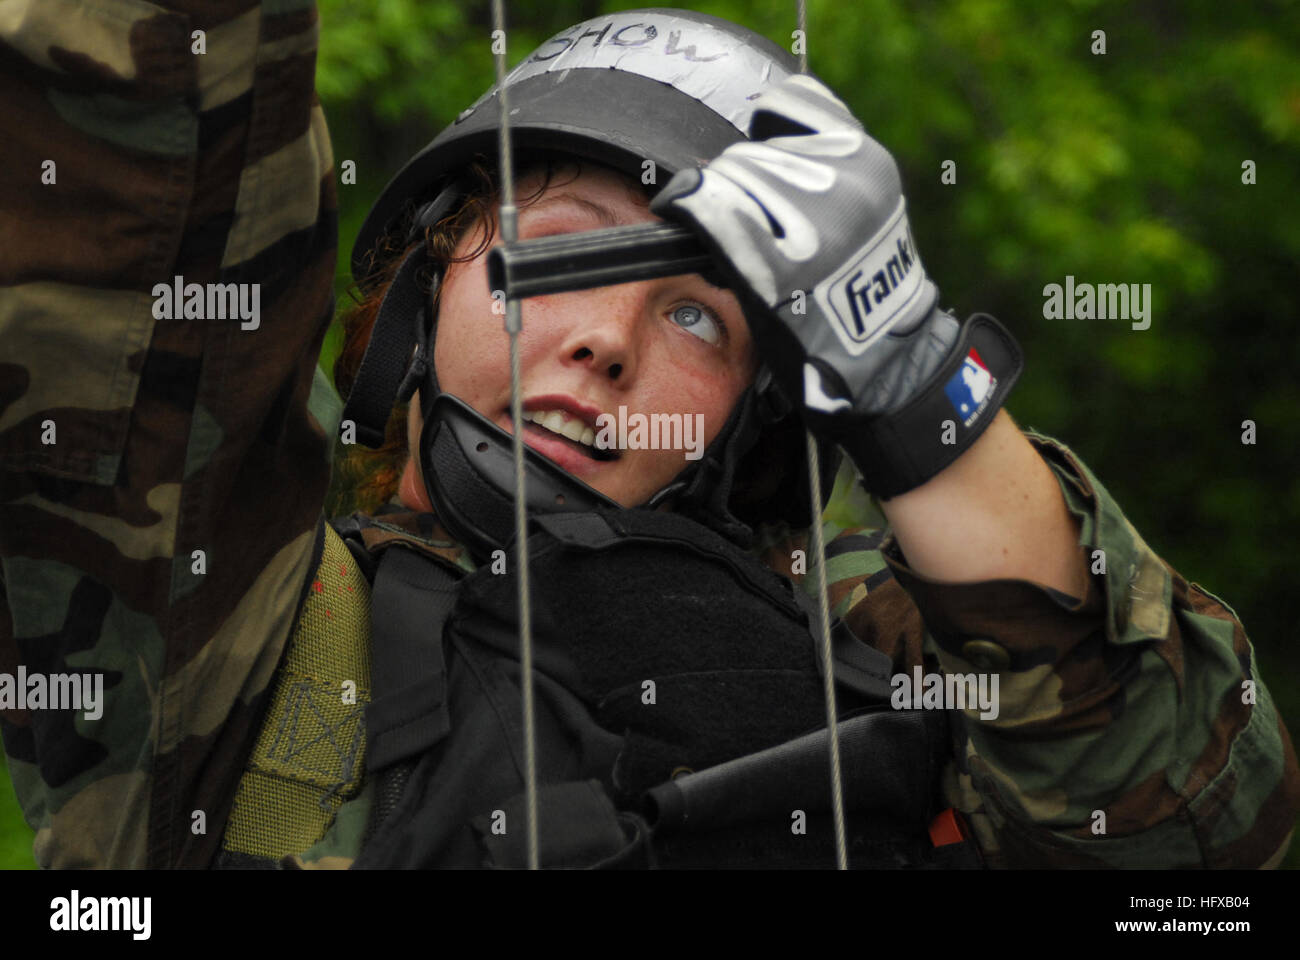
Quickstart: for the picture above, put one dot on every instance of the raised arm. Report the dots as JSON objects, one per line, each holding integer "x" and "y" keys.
{"x": 167, "y": 243}
{"x": 1129, "y": 725}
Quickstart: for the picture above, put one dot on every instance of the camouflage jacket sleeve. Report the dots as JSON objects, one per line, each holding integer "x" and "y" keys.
{"x": 162, "y": 476}
{"x": 1133, "y": 727}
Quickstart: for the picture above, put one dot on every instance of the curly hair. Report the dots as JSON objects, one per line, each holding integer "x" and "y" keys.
{"x": 364, "y": 479}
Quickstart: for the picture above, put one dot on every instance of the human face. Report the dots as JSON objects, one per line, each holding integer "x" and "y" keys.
{"x": 675, "y": 345}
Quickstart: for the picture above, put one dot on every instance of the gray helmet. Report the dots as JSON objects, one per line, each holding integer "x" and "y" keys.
{"x": 672, "y": 87}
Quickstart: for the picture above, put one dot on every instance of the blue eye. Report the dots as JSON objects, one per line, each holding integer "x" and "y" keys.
{"x": 692, "y": 318}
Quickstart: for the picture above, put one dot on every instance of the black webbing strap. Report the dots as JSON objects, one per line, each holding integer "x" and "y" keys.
{"x": 858, "y": 666}
{"x": 410, "y": 601}
{"x": 388, "y": 355}
{"x": 399, "y": 326}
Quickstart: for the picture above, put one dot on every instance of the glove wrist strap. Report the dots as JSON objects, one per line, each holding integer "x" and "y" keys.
{"x": 902, "y": 450}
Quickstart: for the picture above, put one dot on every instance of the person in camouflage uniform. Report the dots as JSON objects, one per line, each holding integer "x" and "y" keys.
{"x": 162, "y": 479}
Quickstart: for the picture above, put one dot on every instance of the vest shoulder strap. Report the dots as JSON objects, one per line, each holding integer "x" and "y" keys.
{"x": 312, "y": 749}
{"x": 309, "y": 755}
{"x": 409, "y": 713}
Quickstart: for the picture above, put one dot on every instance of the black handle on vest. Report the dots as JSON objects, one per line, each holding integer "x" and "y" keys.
{"x": 888, "y": 759}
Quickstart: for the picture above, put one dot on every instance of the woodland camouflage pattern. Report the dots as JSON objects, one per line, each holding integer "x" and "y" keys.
{"x": 172, "y": 436}
{"x": 182, "y": 435}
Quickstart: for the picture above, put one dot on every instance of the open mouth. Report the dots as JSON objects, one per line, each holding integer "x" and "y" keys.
{"x": 569, "y": 430}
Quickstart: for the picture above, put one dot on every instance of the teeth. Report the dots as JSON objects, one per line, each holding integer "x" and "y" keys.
{"x": 559, "y": 422}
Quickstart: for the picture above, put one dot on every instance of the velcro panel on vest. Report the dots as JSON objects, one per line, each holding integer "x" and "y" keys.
{"x": 858, "y": 665}
{"x": 309, "y": 754}
{"x": 685, "y": 645}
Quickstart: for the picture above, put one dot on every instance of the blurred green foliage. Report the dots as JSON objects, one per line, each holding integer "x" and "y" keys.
{"x": 1117, "y": 168}
{"x": 15, "y": 836}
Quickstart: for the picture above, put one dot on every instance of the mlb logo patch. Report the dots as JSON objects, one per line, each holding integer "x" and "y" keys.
{"x": 970, "y": 388}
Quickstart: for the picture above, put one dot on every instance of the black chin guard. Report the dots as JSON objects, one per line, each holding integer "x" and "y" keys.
{"x": 471, "y": 463}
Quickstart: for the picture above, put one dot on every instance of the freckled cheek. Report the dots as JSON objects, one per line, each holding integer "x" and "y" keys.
{"x": 471, "y": 350}
{"x": 714, "y": 417}
{"x": 707, "y": 389}
{"x": 540, "y": 329}
{"x": 692, "y": 395}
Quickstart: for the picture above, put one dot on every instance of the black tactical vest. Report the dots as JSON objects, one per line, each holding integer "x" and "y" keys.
{"x": 679, "y": 712}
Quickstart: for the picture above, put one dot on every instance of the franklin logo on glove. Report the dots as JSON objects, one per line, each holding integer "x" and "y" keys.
{"x": 886, "y": 273}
